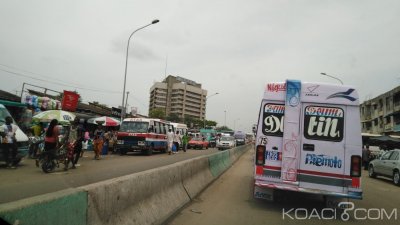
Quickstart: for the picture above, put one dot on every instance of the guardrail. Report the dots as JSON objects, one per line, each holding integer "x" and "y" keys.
{"x": 148, "y": 197}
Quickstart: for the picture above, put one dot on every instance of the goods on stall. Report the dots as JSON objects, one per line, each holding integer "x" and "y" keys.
{"x": 42, "y": 103}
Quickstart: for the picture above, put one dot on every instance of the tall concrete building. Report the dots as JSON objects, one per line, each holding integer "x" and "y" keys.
{"x": 381, "y": 115}
{"x": 179, "y": 96}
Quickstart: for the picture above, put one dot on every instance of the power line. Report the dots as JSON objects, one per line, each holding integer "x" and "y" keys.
{"x": 57, "y": 83}
{"x": 25, "y": 71}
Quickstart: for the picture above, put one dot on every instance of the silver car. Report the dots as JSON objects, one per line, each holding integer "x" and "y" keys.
{"x": 226, "y": 142}
{"x": 387, "y": 165}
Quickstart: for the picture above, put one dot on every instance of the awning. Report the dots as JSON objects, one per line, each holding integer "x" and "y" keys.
{"x": 370, "y": 135}
{"x": 392, "y": 114}
{"x": 386, "y": 141}
{"x": 10, "y": 103}
{"x": 85, "y": 116}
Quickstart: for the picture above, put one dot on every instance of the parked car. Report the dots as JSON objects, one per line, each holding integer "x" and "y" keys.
{"x": 197, "y": 142}
{"x": 387, "y": 165}
{"x": 226, "y": 142}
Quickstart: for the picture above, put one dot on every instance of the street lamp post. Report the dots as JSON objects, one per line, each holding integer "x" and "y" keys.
{"x": 126, "y": 66}
{"x": 126, "y": 101}
{"x": 204, "y": 124}
{"x": 332, "y": 77}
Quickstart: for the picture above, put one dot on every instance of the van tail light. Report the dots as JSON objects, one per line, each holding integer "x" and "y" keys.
{"x": 355, "y": 170}
{"x": 260, "y": 155}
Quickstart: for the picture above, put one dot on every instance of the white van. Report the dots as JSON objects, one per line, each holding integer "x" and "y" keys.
{"x": 22, "y": 139}
{"x": 308, "y": 140}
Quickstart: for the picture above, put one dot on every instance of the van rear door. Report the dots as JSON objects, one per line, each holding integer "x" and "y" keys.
{"x": 322, "y": 161}
{"x": 271, "y": 121}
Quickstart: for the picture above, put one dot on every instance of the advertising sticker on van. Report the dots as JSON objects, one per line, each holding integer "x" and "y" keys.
{"x": 323, "y": 123}
{"x": 273, "y": 119}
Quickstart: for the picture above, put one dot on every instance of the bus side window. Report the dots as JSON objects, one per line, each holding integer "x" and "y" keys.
{"x": 151, "y": 129}
{"x": 162, "y": 128}
{"x": 157, "y": 127}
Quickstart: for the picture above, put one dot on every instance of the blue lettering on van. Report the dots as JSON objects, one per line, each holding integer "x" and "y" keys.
{"x": 323, "y": 160}
{"x": 273, "y": 155}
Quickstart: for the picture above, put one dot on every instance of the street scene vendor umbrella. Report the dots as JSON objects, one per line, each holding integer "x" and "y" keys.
{"x": 63, "y": 117}
{"x": 105, "y": 121}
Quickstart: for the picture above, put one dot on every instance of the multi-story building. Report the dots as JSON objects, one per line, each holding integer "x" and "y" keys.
{"x": 381, "y": 115}
{"x": 179, "y": 96}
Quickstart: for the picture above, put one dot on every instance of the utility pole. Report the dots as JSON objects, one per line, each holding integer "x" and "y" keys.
{"x": 126, "y": 102}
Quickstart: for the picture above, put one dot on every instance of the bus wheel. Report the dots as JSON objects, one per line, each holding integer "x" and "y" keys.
{"x": 150, "y": 150}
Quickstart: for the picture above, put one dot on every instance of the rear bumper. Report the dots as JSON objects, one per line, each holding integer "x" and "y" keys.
{"x": 240, "y": 143}
{"x": 224, "y": 146}
{"x": 194, "y": 146}
{"x": 131, "y": 148}
{"x": 354, "y": 194}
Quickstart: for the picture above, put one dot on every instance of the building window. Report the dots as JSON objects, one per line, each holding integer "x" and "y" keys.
{"x": 388, "y": 105}
{"x": 388, "y": 120}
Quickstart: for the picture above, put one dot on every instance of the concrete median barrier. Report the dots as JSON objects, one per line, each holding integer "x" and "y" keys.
{"x": 63, "y": 207}
{"x": 219, "y": 162}
{"x": 196, "y": 175}
{"x": 235, "y": 153}
{"x": 148, "y": 197}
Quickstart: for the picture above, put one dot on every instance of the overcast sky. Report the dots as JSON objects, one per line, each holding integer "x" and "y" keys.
{"x": 233, "y": 47}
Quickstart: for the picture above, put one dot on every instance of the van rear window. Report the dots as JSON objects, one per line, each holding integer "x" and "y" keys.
{"x": 273, "y": 116}
{"x": 323, "y": 123}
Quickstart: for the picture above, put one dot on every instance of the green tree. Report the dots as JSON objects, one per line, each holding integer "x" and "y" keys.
{"x": 222, "y": 128}
{"x": 173, "y": 117}
{"x": 193, "y": 122}
{"x": 211, "y": 123}
{"x": 157, "y": 113}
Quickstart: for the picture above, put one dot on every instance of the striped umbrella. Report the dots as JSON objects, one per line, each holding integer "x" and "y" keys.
{"x": 63, "y": 117}
{"x": 105, "y": 121}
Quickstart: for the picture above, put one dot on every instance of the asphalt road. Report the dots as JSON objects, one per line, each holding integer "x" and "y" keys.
{"x": 229, "y": 200}
{"x": 28, "y": 180}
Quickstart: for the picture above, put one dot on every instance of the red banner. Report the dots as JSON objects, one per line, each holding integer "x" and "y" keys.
{"x": 70, "y": 101}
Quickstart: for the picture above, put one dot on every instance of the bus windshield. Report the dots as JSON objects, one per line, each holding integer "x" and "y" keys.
{"x": 134, "y": 127}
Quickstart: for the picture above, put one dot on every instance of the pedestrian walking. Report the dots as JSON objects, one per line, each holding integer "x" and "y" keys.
{"x": 366, "y": 156}
{"x": 38, "y": 136}
{"x": 177, "y": 140}
{"x": 75, "y": 138}
{"x": 185, "y": 141}
{"x": 51, "y": 139}
{"x": 85, "y": 145}
{"x": 106, "y": 143}
{"x": 170, "y": 140}
{"x": 98, "y": 141}
{"x": 9, "y": 142}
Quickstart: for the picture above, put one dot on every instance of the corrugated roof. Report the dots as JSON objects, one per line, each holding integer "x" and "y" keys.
{"x": 4, "y": 95}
